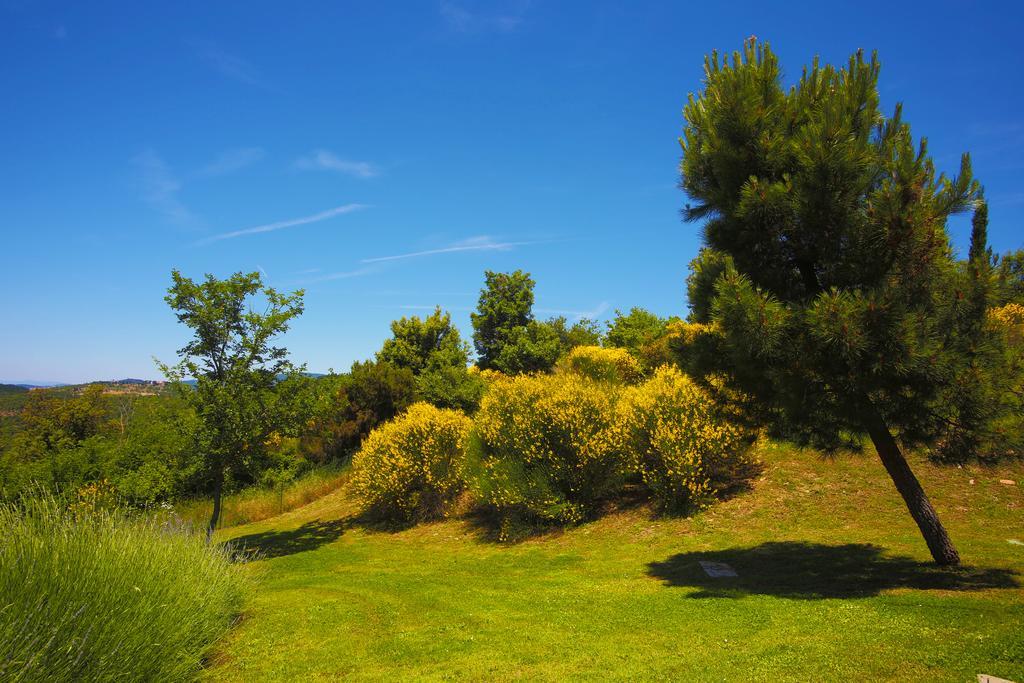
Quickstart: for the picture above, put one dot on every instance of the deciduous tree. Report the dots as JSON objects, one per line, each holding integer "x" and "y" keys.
{"x": 246, "y": 389}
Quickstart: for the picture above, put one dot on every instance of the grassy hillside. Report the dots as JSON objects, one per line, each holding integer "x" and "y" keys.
{"x": 833, "y": 584}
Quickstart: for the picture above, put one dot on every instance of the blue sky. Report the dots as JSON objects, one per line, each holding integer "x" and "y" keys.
{"x": 383, "y": 155}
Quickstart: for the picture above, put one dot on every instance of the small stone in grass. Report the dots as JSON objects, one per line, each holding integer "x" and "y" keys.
{"x": 1014, "y": 541}
{"x": 1008, "y": 482}
{"x": 717, "y": 570}
{"x": 985, "y": 678}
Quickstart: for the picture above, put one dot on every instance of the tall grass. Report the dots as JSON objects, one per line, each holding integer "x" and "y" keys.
{"x": 100, "y": 596}
{"x": 255, "y": 504}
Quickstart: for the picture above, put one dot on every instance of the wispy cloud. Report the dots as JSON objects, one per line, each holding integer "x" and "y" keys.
{"x": 480, "y": 243}
{"x": 995, "y": 128}
{"x": 1007, "y": 199}
{"x": 342, "y": 275}
{"x": 461, "y": 19}
{"x": 323, "y": 160}
{"x": 230, "y": 65}
{"x": 577, "y": 315}
{"x": 232, "y": 160}
{"x": 280, "y": 225}
{"x": 160, "y": 187}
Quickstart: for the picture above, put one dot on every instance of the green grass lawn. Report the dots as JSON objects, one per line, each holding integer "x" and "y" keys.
{"x": 834, "y": 584}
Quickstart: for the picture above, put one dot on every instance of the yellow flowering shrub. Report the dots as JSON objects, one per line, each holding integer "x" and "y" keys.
{"x": 486, "y": 374}
{"x": 544, "y": 446}
{"x": 604, "y": 364}
{"x": 673, "y": 434}
{"x": 414, "y": 465}
{"x": 1009, "y": 318}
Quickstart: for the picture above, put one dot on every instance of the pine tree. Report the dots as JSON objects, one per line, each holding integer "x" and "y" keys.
{"x": 834, "y": 279}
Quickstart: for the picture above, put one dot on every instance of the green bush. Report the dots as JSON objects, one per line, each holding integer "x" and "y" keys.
{"x": 95, "y": 595}
{"x": 451, "y": 387}
{"x": 543, "y": 447}
{"x": 413, "y": 466}
{"x": 685, "y": 449}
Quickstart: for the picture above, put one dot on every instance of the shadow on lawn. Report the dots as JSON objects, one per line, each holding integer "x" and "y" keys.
{"x": 813, "y": 571}
{"x": 267, "y": 544}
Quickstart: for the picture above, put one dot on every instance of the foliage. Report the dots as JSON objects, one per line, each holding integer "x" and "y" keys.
{"x": 613, "y": 365}
{"x": 837, "y": 307}
{"x": 435, "y": 353}
{"x": 374, "y": 393}
{"x": 1010, "y": 275}
{"x": 413, "y": 466}
{"x": 59, "y": 423}
{"x": 978, "y": 406}
{"x": 544, "y": 447}
{"x": 90, "y": 594}
{"x": 429, "y": 344}
{"x": 534, "y": 347}
{"x": 508, "y": 338}
{"x": 451, "y": 387}
{"x": 142, "y": 445}
{"x": 505, "y": 305}
{"x": 246, "y": 389}
{"x": 643, "y": 334}
{"x": 583, "y": 332}
{"x": 986, "y": 404}
{"x": 681, "y": 443}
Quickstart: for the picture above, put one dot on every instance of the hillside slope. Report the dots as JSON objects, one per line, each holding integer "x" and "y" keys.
{"x": 833, "y": 584}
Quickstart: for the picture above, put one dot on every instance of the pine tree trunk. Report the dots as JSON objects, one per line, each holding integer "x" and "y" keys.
{"x": 215, "y": 517}
{"x": 906, "y": 483}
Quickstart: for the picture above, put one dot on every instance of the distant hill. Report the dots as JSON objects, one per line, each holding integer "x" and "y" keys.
{"x": 28, "y": 384}
{"x": 12, "y": 389}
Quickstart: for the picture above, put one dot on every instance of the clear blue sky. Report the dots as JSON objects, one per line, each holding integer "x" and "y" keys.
{"x": 386, "y": 154}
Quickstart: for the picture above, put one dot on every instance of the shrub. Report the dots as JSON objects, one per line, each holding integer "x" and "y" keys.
{"x": 680, "y": 443}
{"x": 372, "y": 393}
{"x": 413, "y": 466}
{"x": 614, "y": 365}
{"x": 543, "y": 447}
{"x": 451, "y": 387}
{"x": 88, "y": 594}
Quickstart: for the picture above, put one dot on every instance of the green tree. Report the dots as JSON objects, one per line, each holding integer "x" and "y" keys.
{"x": 1011, "y": 277}
{"x": 583, "y": 332}
{"x": 633, "y": 330}
{"x": 375, "y": 392}
{"x": 246, "y": 390}
{"x": 428, "y": 343}
{"x": 835, "y": 307}
{"x": 505, "y": 305}
{"x": 434, "y": 352}
{"x": 534, "y": 347}
{"x": 643, "y": 334}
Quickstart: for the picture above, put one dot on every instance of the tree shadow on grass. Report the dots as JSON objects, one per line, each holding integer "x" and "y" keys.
{"x": 268, "y": 544}
{"x": 813, "y": 571}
